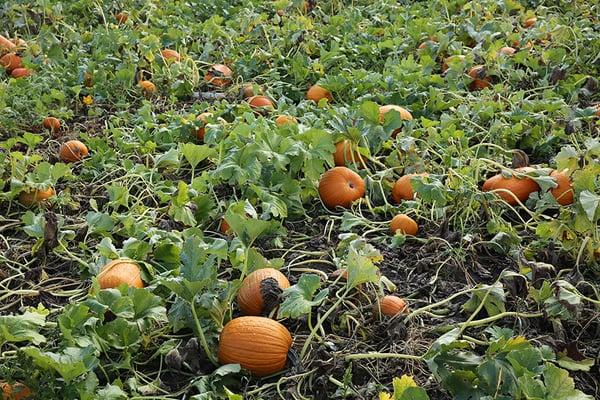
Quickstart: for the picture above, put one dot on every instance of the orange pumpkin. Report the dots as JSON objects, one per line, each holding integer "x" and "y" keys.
{"x": 260, "y": 287}
{"x": 405, "y": 224}
{"x": 507, "y": 51}
{"x": 170, "y": 55}
{"x": 480, "y": 79}
{"x": 73, "y": 151}
{"x": 148, "y": 87}
{"x": 402, "y": 189}
{"x": 597, "y": 110}
{"x": 260, "y": 345}
{"x": 224, "y": 227}
{"x": 15, "y": 391}
{"x": 563, "y": 193}
{"x": 520, "y": 187}
{"x": 405, "y": 115}
{"x": 122, "y": 17}
{"x": 21, "y": 73}
{"x": 345, "y": 154}
{"x": 118, "y": 272}
{"x": 11, "y": 61}
{"x": 204, "y": 120}
{"x": 51, "y": 123}
{"x": 248, "y": 91}
{"x": 391, "y": 306}
{"x": 448, "y": 60}
{"x": 340, "y": 186}
{"x": 219, "y": 75}
{"x": 530, "y": 22}
{"x": 35, "y": 196}
{"x": 6, "y": 45}
{"x": 261, "y": 104}
{"x": 316, "y": 93}
{"x": 285, "y": 119}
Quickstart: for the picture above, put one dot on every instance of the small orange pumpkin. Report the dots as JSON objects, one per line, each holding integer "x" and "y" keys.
{"x": 402, "y": 189}
{"x": 248, "y": 91}
{"x": 73, "y": 151}
{"x": 260, "y": 287}
{"x": 261, "y": 104}
{"x": 118, "y": 272}
{"x": 148, "y": 87}
{"x": 405, "y": 224}
{"x": 344, "y": 154}
{"x": 316, "y": 93}
{"x": 285, "y": 119}
{"x": 480, "y": 79}
{"x": 405, "y": 115}
{"x": 51, "y": 123}
{"x": 520, "y": 187}
{"x": 15, "y": 391}
{"x": 204, "y": 120}
{"x": 507, "y": 51}
{"x": 35, "y": 196}
{"x": 530, "y": 22}
{"x": 563, "y": 193}
{"x": 260, "y": 345}
{"x": 224, "y": 227}
{"x": 11, "y": 61}
{"x": 6, "y": 45}
{"x": 340, "y": 186}
{"x": 391, "y": 306}
{"x": 122, "y": 17}
{"x": 170, "y": 55}
{"x": 448, "y": 60}
{"x": 21, "y": 73}
{"x": 219, "y": 75}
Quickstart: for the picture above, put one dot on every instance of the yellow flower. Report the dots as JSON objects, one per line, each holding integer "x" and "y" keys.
{"x": 385, "y": 396}
{"x": 88, "y": 100}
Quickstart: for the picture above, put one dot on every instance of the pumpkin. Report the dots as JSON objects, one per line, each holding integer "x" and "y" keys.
{"x": 6, "y": 45}
{"x": 450, "y": 59}
{"x": 563, "y": 193}
{"x": 480, "y": 79}
{"x": 118, "y": 272}
{"x": 344, "y": 154}
{"x": 520, "y": 187}
{"x": 51, "y": 123}
{"x": 15, "y": 391}
{"x": 392, "y": 305}
{"x": 88, "y": 79}
{"x": 530, "y": 22}
{"x": 170, "y": 55}
{"x": 405, "y": 115}
{"x": 340, "y": 186}
{"x": 224, "y": 227}
{"x": 316, "y": 93}
{"x": 285, "y": 119}
{"x": 507, "y": 51}
{"x": 19, "y": 43}
{"x": 122, "y": 17}
{"x": 203, "y": 118}
{"x": 261, "y": 104}
{"x": 402, "y": 189}
{"x": 260, "y": 291}
{"x": 260, "y": 345}
{"x": 73, "y": 151}
{"x": 147, "y": 86}
{"x": 517, "y": 44}
{"x": 597, "y": 110}
{"x": 426, "y": 43}
{"x": 11, "y": 61}
{"x": 35, "y": 196}
{"x": 219, "y": 75}
{"x": 404, "y": 224}
{"x": 21, "y": 73}
{"x": 248, "y": 91}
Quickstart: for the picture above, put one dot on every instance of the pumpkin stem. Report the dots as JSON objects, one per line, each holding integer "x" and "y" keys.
{"x": 209, "y": 353}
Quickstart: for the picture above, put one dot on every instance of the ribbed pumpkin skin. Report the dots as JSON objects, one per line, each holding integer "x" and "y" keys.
{"x": 249, "y": 297}
{"x": 73, "y": 151}
{"x": 392, "y": 305}
{"x": 51, "y": 123}
{"x": 35, "y": 196}
{"x": 121, "y": 271}
{"x": 11, "y": 61}
{"x": 219, "y": 75}
{"x": 521, "y": 188}
{"x": 16, "y": 391}
{"x": 261, "y": 104}
{"x": 340, "y": 186}
{"x": 563, "y": 193}
{"x": 402, "y": 189}
{"x": 405, "y": 224}
{"x": 316, "y": 93}
{"x": 285, "y": 119}
{"x": 260, "y": 345}
{"x": 405, "y": 115}
{"x": 344, "y": 154}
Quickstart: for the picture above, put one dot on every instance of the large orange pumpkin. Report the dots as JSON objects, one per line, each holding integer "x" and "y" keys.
{"x": 118, "y": 272}
{"x": 402, "y": 189}
{"x": 261, "y": 104}
{"x": 404, "y": 224}
{"x": 404, "y": 115}
{"x": 15, "y": 391}
{"x": 11, "y": 61}
{"x": 563, "y": 193}
{"x": 259, "y": 289}
{"x": 392, "y": 305}
{"x": 21, "y": 73}
{"x": 345, "y": 154}
{"x": 316, "y": 93}
{"x": 170, "y": 55}
{"x": 520, "y": 187}
{"x": 51, "y": 123}
{"x": 260, "y": 345}
{"x": 6, "y": 45}
{"x": 219, "y": 75}
{"x": 73, "y": 151}
{"x": 35, "y": 196}
{"x": 340, "y": 186}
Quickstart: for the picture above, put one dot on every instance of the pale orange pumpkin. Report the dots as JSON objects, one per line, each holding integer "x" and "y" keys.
{"x": 344, "y": 154}
{"x": 507, "y": 51}
{"x": 260, "y": 345}
{"x": 530, "y": 22}
{"x": 405, "y": 224}
{"x": 520, "y": 187}
{"x": 340, "y": 186}
{"x": 285, "y": 119}
{"x": 260, "y": 287}
{"x": 248, "y": 91}
{"x": 563, "y": 193}
{"x": 219, "y": 75}
{"x": 6, "y": 45}
{"x": 73, "y": 151}
{"x": 121, "y": 271}
{"x": 170, "y": 55}
{"x": 391, "y": 306}
{"x": 51, "y": 123}
{"x": 316, "y": 93}
{"x": 35, "y": 196}
{"x": 402, "y": 189}
{"x": 147, "y": 87}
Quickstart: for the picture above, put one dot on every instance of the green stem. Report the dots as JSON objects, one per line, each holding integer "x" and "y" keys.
{"x": 209, "y": 353}
{"x": 496, "y": 317}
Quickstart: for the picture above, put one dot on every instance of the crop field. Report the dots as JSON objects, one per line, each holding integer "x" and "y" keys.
{"x": 289, "y": 199}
